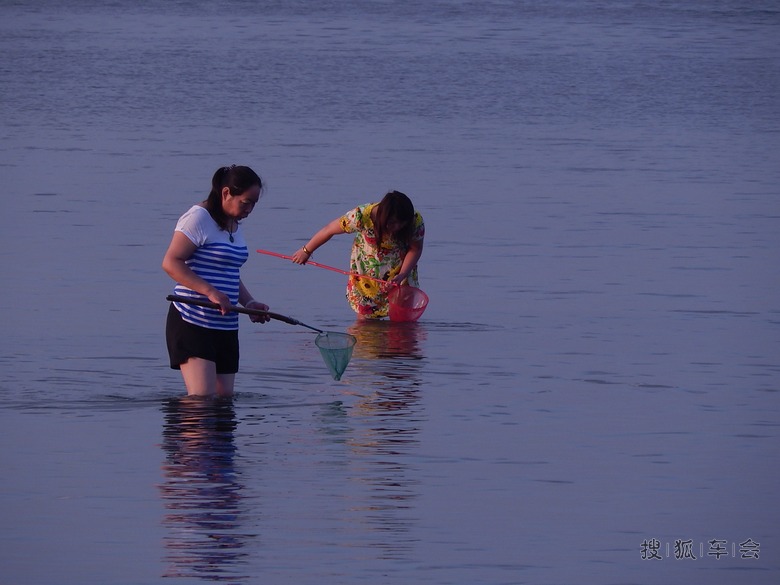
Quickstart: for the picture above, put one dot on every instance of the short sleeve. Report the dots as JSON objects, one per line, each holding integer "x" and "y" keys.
{"x": 193, "y": 225}
{"x": 357, "y": 219}
{"x": 419, "y": 227}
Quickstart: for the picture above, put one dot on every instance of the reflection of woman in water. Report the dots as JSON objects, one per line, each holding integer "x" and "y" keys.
{"x": 388, "y": 339}
{"x": 201, "y": 491}
{"x": 384, "y": 427}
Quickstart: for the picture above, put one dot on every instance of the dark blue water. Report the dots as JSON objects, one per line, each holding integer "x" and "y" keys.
{"x": 598, "y": 367}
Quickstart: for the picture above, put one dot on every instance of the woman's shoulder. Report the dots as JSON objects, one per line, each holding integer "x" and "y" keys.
{"x": 197, "y": 224}
{"x": 363, "y": 209}
{"x": 358, "y": 217}
{"x": 419, "y": 226}
{"x": 196, "y": 211}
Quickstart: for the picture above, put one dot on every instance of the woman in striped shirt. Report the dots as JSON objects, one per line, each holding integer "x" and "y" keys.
{"x": 204, "y": 258}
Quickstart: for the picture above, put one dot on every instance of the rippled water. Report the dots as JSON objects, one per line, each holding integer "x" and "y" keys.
{"x": 597, "y": 369}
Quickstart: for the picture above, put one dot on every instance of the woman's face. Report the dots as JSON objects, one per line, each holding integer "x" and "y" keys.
{"x": 240, "y": 206}
{"x": 395, "y": 225}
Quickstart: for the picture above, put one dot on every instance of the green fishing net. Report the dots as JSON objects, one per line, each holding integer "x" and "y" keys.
{"x": 336, "y": 350}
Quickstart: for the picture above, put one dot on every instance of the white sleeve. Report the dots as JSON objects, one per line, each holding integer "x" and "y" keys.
{"x": 193, "y": 225}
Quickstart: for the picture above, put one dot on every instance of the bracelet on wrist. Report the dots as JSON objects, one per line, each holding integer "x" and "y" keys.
{"x": 306, "y": 251}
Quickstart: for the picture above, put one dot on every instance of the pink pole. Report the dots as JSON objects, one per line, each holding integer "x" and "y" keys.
{"x": 325, "y": 266}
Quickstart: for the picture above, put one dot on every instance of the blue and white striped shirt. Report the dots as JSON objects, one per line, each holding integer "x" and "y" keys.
{"x": 216, "y": 260}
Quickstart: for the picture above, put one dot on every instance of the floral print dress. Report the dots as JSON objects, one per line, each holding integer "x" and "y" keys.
{"x": 367, "y": 297}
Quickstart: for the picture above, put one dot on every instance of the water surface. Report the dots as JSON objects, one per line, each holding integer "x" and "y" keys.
{"x": 598, "y": 366}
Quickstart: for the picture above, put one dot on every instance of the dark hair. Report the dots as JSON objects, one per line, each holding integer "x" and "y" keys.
{"x": 236, "y": 178}
{"x": 395, "y": 206}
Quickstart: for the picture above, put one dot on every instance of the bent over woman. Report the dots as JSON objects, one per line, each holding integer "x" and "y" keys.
{"x": 388, "y": 244}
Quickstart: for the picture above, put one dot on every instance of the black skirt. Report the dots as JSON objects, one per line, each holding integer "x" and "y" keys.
{"x": 186, "y": 340}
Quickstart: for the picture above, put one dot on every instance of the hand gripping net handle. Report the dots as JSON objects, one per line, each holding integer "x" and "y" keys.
{"x": 235, "y": 309}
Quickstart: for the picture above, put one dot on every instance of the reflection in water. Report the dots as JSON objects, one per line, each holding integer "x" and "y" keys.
{"x": 389, "y": 359}
{"x": 388, "y": 339}
{"x": 202, "y": 491}
{"x": 385, "y": 424}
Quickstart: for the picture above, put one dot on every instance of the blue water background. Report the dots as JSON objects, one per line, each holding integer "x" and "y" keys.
{"x": 599, "y": 365}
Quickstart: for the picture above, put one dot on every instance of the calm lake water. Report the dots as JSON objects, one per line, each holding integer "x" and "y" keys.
{"x": 591, "y": 397}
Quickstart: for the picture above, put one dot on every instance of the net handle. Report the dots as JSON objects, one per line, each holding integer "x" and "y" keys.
{"x": 235, "y": 309}
{"x": 326, "y": 267}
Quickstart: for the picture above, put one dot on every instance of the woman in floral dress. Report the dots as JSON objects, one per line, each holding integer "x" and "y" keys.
{"x": 388, "y": 244}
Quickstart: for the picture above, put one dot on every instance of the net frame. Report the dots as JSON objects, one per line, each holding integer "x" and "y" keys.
{"x": 336, "y": 350}
{"x": 406, "y": 303}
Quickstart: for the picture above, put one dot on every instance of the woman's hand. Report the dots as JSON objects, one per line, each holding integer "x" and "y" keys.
{"x": 301, "y": 256}
{"x": 221, "y": 299}
{"x": 260, "y": 307}
{"x": 399, "y": 278}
